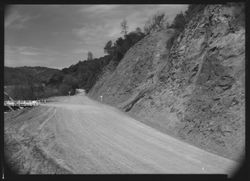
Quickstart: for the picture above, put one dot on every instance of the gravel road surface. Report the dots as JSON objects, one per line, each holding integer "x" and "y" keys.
{"x": 77, "y": 135}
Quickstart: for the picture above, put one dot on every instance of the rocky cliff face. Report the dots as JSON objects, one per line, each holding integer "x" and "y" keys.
{"x": 195, "y": 90}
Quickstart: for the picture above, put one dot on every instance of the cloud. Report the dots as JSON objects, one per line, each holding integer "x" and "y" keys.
{"x": 27, "y": 51}
{"x": 93, "y": 37}
{"x": 136, "y": 15}
{"x": 22, "y": 50}
{"x": 80, "y": 51}
{"x": 97, "y": 29}
{"x": 32, "y": 56}
{"x": 64, "y": 38}
{"x": 114, "y": 32}
{"x": 98, "y": 8}
{"x": 143, "y": 13}
{"x": 91, "y": 34}
{"x": 16, "y": 20}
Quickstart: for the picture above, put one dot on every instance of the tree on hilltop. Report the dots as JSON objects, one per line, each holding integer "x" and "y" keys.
{"x": 138, "y": 30}
{"x": 124, "y": 26}
{"x": 90, "y": 56}
{"x": 108, "y": 48}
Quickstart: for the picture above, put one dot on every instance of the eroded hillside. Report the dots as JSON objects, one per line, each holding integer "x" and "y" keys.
{"x": 195, "y": 90}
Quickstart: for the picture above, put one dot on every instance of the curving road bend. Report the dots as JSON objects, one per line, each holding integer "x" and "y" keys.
{"x": 77, "y": 135}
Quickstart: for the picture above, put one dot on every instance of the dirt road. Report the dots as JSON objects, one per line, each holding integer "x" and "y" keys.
{"x": 77, "y": 135}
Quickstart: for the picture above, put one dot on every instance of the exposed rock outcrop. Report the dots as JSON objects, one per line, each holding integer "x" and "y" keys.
{"x": 195, "y": 90}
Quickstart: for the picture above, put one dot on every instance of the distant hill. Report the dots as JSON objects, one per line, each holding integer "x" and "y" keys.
{"x": 28, "y": 82}
{"x": 42, "y": 82}
{"x": 26, "y": 75}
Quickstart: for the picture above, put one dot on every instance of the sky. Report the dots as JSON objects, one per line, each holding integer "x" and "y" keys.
{"x": 58, "y": 36}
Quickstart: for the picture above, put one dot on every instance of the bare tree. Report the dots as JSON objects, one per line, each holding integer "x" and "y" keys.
{"x": 90, "y": 55}
{"x": 124, "y": 26}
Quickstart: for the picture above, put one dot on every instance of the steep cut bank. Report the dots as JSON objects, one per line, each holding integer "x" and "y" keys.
{"x": 195, "y": 90}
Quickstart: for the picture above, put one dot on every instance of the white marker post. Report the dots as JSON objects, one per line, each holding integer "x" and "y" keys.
{"x": 101, "y": 98}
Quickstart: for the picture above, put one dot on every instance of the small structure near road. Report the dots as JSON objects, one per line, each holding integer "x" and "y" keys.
{"x": 78, "y": 91}
{"x": 12, "y": 104}
{"x": 22, "y": 103}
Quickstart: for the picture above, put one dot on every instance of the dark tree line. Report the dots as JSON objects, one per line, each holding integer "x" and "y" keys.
{"x": 81, "y": 75}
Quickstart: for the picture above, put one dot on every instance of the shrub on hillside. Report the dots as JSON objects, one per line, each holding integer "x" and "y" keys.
{"x": 179, "y": 22}
{"x": 56, "y": 78}
{"x": 64, "y": 89}
{"x": 192, "y": 10}
{"x": 122, "y": 45}
{"x": 170, "y": 42}
{"x": 50, "y": 91}
{"x": 238, "y": 13}
{"x": 108, "y": 48}
{"x": 22, "y": 92}
{"x": 71, "y": 81}
{"x": 156, "y": 23}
